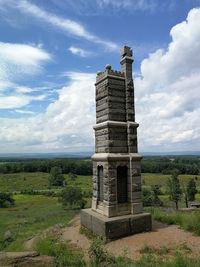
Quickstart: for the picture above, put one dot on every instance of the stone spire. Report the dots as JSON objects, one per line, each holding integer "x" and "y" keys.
{"x": 126, "y": 62}
{"x": 117, "y": 198}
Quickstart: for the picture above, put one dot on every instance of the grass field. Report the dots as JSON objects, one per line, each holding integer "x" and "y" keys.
{"x": 83, "y": 182}
{"x": 16, "y": 182}
{"x": 29, "y": 216}
{"x": 33, "y": 213}
{"x": 189, "y": 221}
{"x": 19, "y": 181}
{"x": 39, "y": 181}
{"x": 161, "y": 179}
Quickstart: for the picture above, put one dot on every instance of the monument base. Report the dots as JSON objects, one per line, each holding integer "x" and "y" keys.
{"x": 115, "y": 227}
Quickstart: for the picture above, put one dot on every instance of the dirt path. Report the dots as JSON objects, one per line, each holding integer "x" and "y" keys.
{"x": 165, "y": 236}
{"x": 71, "y": 233}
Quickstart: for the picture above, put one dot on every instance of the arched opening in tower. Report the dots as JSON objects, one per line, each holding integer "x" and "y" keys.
{"x": 122, "y": 186}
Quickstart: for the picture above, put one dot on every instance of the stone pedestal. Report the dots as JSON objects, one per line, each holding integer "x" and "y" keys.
{"x": 115, "y": 227}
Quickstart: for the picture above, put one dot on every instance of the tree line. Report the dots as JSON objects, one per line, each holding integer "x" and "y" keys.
{"x": 156, "y": 164}
{"x": 77, "y": 166}
{"x": 164, "y": 165}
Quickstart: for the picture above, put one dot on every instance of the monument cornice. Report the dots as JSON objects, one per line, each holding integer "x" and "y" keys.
{"x": 116, "y": 156}
{"x": 116, "y": 123}
{"x": 105, "y": 75}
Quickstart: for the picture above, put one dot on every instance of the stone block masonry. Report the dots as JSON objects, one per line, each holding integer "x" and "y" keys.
{"x": 117, "y": 198}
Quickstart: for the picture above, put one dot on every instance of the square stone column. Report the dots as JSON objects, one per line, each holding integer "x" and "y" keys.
{"x": 117, "y": 197}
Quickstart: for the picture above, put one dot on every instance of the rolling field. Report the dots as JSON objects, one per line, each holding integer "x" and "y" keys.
{"x": 161, "y": 179}
{"x": 16, "y": 182}
{"x": 29, "y": 216}
{"x": 34, "y": 213}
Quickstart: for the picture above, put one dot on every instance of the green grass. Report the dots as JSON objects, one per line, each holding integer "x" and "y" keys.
{"x": 178, "y": 261}
{"x": 39, "y": 181}
{"x": 67, "y": 255}
{"x": 189, "y": 221}
{"x": 33, "y": 213}
{"x": 29, "y": 216}
{"x": 64, "y": 254}
{"x": 16, "y": 182}
{"x": 161, "y": 179}
{"x": 19, "y": 181}
{"x": 83, "y": 182}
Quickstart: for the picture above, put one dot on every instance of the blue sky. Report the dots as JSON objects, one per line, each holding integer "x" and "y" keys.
{"x": 50, "y": 51}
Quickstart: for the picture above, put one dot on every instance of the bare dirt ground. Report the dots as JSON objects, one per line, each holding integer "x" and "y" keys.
{"x": 164, "y": 237}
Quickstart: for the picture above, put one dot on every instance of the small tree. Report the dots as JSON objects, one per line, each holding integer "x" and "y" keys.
{"x": 72, "y": 196}
{"x": 56, "y": 177}
{"x": 174, "y": 188}
{"x": 147, "y": 196}
{"x": 72, "y": 176}
{"x": 185, "y": 194}
{"x": 191, "y": 189}
{"x": 6, "y": 200}
{"x": 156, "y": 189}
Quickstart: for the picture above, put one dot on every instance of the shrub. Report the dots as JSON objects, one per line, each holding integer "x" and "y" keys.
{"x": 56, "y": 177}
{"x": 174, "y": 188}
{"x": 7, "y": 239}
{"x": 72, "y": 176}
{"x": 73, "y": 197}
{"x": 98, "y": 256}
{"x": 64, "y": 254}
{"x": 147, "y": 196}
{"x": 6, "y": 200}
{"x": 191, "y": 190}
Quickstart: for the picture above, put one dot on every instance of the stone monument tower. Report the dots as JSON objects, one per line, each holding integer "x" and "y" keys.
{"x": 116, "y": 203}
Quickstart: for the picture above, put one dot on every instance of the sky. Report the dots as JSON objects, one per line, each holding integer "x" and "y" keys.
{"x": 51, "y": 50}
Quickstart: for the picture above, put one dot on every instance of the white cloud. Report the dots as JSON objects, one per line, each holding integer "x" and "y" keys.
{"x": 21, "y": 111}
{"x": 9, "y": 102}
{"x": 167, "y": 104}
{"x": 66, "y": 125}
{"x": 67, "y": 25}
{"x": 168, "y": 93}
{"x": 18, "y": 59}
{"x": 16, "y": 62}
{"x": 22, "y": 54}
{"x": 18, "y": 101}
{"x": 79, "y": 51}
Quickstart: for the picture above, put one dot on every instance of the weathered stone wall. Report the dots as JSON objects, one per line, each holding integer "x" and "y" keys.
{"x": 110, "y": 205}
{"x": 114, "y": 139}
{"x": 110, "y": 99}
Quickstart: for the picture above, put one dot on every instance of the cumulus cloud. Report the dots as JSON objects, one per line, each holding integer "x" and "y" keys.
{"x": 167, "y": 103}
{"x": 168, "y": 92}
{"x": 18, "y": 61}
{"x": 66, "y": 125}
